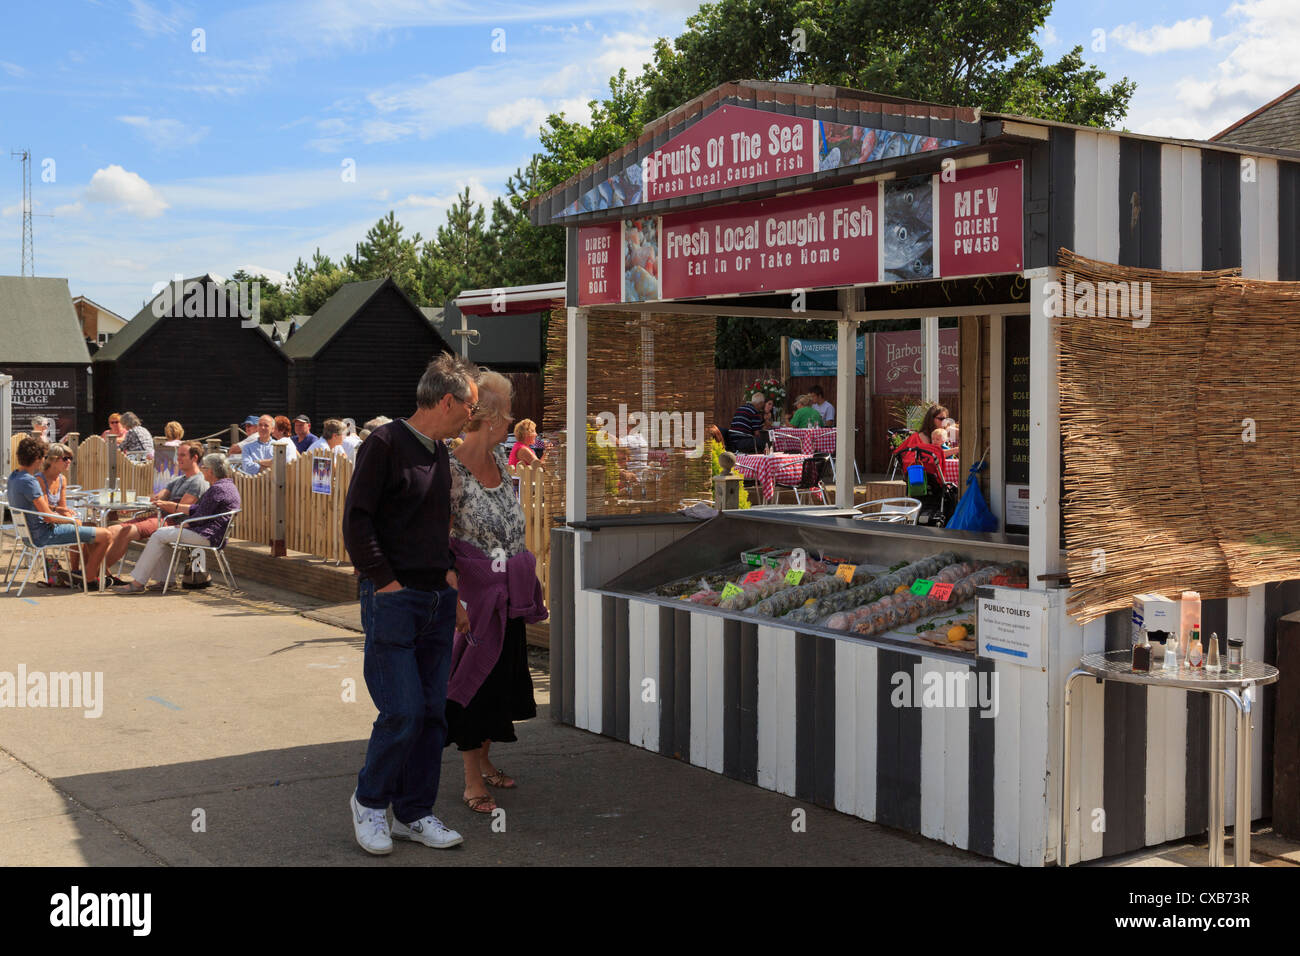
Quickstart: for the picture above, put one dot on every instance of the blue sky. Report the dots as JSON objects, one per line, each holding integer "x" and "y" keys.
{"x": 168, "y": 151}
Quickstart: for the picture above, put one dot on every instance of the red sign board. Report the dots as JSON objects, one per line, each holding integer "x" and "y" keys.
{"x": 600, "y": 272}
{"x": 795, "y": 242}
{"x": 732, "y": 146}
{"x": 981, "y": 225}
{"x": 898, "y": 359}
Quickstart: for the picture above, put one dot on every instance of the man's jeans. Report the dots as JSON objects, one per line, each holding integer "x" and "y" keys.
{"x": 407, "y": 659}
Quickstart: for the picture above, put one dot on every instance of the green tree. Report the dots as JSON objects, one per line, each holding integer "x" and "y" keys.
{"x": 460, "y": 255}
{"x": 385, "y": 253}
{"x": 523, "y": 254}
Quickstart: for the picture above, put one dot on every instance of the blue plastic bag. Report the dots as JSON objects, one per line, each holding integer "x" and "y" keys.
{"x": 972, "y": 512}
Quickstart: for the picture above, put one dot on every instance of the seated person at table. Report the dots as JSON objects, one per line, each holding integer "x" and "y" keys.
{"x": 824, "y": 408}
{"x": 302, "y": 436}
{"x": 40, "y": 428}
{"x": 746, "y": 430}
{"x": 351, "y": 440}
{"x": 115, "y": 429}
{"x": 953, "y": 431}
{"x": 257, "y": 448}
{"x": 805, "y": 412}
{"x": 521, "y": 452}
{"x": 282, "y": 432}
{"x": 939, "y": 437}
{"x": 49, "y": 528}
{"x": 137, "y": 438}
{"x": 175, "y": 433}
{"x": 53, "y": 479}
{"x": 222, "y": 496}
{"x": 331, "y": 438}
{"x": 185, "y": 489}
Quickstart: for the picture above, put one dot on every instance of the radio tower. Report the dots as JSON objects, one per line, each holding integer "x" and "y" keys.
{"x": 29, "y": 254}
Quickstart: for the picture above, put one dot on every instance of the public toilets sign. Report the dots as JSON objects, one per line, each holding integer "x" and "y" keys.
{"x": 853, "y": 235}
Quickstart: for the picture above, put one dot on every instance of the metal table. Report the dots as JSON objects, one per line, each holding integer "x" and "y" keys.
{"x": 1222, "y": 687}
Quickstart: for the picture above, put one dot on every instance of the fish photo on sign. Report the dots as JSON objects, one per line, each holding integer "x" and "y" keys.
{"x": 640, "y": 260}
{"x": 908, "y": 230}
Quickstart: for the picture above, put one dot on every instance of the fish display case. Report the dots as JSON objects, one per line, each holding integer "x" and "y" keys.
{"x": 833, "y": 575}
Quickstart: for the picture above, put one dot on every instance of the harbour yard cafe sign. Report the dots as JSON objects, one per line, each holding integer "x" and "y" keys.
{"x": 959, "y": 223}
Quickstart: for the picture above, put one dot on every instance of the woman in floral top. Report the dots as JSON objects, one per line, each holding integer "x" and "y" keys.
{"x": 487, "y": 515}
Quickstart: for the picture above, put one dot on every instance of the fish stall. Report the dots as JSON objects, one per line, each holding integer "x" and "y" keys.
{"x": 912, "y": 675}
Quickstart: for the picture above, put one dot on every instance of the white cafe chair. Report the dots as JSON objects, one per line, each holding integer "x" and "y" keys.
{"x": 217, "y": 549}
{"x": 31, "y": 552}
{"x": 889, "y": 510}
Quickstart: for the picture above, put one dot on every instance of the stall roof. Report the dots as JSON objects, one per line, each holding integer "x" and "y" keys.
{"x": 601, "y": 191}
{"x": 1275, "y": 124}
{"x": 514, "y": 300}
{"x": 38, "y": 324}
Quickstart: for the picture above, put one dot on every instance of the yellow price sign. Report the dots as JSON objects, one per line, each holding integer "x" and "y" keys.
{"x": 845, "y": 572}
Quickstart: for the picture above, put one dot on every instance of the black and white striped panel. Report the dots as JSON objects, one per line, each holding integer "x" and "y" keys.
{"x": 1162, "y": 206}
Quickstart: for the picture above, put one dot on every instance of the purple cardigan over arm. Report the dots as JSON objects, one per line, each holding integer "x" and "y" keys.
{"x": 492, "y": 597}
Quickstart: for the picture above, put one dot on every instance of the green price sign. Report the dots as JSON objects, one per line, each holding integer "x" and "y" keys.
{"x": 921, "y": 586}
{"x": 730, "y": 590}
{"x": 793, "y": 577}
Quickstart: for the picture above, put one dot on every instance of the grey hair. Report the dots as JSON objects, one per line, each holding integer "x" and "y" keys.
{"x": 40, "y": 421}
{"x": 129, "y": 420}
{"x": 376, "y": 422}
{"x": 757, "y": 398}
{"x": 495, "y": 393}
{"x": 217, "y": 464}
{"x": 446, "y": 375}
{"x": 56, "y": 451}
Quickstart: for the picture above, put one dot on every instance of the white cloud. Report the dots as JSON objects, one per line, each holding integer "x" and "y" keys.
{"x": 1183, "y": 35}
{"x": 13, "y": 69}
{"x": 69, "y": 209}
{"x": 1259, "y": 65}
{"x": 273, "y": 275}
{"x": 1048, "y": 36}
{"x": 166, "y": 133}
{"x": 115, "y": 186}
{"x": 154, "y": 22}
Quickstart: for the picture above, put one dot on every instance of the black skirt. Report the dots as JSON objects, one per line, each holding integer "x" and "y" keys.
{"x": 506, "y": 696}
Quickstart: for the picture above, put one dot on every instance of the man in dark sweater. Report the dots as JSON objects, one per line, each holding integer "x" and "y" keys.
{"x": 396, "y": 525}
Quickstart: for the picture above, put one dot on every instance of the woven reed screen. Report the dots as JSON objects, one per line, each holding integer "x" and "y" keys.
{"x": 656, "y": 364}
{"x": 1167, "y": 484}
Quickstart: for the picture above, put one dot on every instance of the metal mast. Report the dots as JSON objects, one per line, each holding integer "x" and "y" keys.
{"x": 29, "y": 254}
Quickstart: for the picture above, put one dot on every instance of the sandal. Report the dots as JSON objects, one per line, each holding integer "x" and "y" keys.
{"x": 498, "y": 780}
{"x": 479, "y": 804}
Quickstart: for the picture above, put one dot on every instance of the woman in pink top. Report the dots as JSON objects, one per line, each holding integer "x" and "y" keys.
{"x": 521, "y": 452}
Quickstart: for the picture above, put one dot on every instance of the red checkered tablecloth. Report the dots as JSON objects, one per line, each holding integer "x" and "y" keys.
{"x": 952, "y": 471}
{"x": 767, "y": 470}
{"x": 804, "y": 440}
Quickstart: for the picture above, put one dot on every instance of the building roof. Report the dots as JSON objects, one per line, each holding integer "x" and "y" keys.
{"x": 38, "y": 324}
{"x": 959, "y": 131}
{"x": 145, "y": 321}
{"x": 1275, "y": 124}
{"x": 105, "y": 311}
{"x": 435, "y": 316}
{"x": 338, "y": 310}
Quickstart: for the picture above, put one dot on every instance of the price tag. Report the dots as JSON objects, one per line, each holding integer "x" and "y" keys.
{"x": 845, "y": 572}
{"x": 921, "y": 586}
{"x": 753, "y": 577}
{"x": 941, "y": 591}
{"x": 730, "y": 590}
{"x": 793, "y": 577}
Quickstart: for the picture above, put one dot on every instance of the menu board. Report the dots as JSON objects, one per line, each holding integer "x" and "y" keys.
{"x": 1015, "y": 397}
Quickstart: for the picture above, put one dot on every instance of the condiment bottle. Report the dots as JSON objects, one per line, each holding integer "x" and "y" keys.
{"x": 1142, "y": 655}
{"x": 1195, "y": 660}
{"x": 1171, "y": 652}
{"x": 1212, "y": 655}
{"x": 1236, "y": 651}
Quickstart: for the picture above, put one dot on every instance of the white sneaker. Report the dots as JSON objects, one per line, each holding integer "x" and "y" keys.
{"x": 428, "y": 830}
{"x": 371, "y": 828}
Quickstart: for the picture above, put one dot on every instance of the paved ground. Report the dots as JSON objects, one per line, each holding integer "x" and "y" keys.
{"x": 232, "y": 713}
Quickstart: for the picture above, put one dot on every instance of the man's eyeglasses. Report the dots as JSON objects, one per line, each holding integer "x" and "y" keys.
{"x": 67, "y": 458}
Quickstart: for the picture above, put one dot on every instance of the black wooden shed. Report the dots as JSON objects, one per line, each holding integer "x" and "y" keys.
{"x": 188, "y": 356}
{"x": 361, "y": 355}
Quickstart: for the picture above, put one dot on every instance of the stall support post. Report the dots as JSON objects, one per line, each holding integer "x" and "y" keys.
{"x": 6, "y": 423}
{"x": 846, "y": 360}
{"x": 575, "y": 462}
{"x": 1044, "y": 428}
{"x": 930, "y": 379}
{"x": 112, "y": 461}
{"x": 73, "y": 444}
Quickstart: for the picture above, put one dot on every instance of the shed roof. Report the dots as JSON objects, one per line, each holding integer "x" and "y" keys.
{"x": 38, "y": 324}
{"x": 338, "y": 310}
{"x": 1275, "y": 124}
{"x": 145, "y": 321}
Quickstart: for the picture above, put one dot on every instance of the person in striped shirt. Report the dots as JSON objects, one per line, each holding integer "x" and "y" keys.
{"x": 746, "y": 430}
